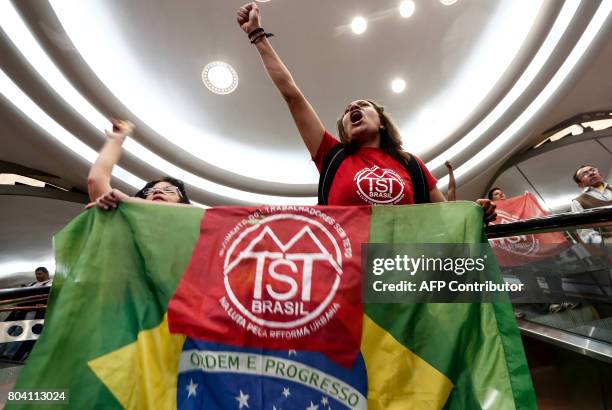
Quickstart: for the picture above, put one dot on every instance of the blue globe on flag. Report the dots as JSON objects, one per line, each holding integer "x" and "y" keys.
{"x": 216, "y": 376}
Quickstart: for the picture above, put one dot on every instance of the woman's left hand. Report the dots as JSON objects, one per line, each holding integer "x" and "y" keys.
{"x": 489, "y": 209}
{"x": 109, "y": 200}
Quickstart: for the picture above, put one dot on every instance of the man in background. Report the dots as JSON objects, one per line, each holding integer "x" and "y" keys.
{"x": 42, "y": 277}
{"x": 595, "y": 193}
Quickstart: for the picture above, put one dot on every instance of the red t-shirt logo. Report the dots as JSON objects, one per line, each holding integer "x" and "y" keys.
{"x": 379, "y": 186}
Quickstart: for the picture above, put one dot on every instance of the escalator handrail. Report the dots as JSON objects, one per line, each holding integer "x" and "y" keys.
{"x": 589, "y": 218}
{"x": 15, "y": 293}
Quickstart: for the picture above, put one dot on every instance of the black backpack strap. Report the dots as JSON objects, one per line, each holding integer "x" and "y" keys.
{"x": 331, "y": 163}
{"x": 419, "y": 183}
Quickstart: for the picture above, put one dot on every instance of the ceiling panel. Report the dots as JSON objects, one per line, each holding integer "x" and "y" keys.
{"x": 606, "y": 142}
{"x": 512, "y": 182}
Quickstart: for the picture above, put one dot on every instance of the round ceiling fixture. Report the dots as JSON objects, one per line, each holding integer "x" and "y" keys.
{"x": 220, "y": 77}
{"x": 398, "y": 85}
{"x": 448, "y": 2}
{"x": 406, "y": 8}
{"x": 359, "y": 25}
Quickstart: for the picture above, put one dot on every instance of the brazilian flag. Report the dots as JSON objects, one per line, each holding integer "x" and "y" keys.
{"x": 107, "y": 340}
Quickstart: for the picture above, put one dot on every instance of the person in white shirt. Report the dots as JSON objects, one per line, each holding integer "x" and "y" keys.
{"x": 42, "y": 278}
{"x": 595, "y": 193}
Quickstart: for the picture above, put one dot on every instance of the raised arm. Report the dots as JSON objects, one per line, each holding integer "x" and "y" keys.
{"x": 452, "y": 185}
{"x": 99, "y": 178}
{"x": 306, "y": 119}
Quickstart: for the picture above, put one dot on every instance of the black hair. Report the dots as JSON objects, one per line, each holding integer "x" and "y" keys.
{"x": 490, "y": 194}
{"x": 41, "y": 269}
{"x": 173, "y": 181}
{"x": 576, "y": 179}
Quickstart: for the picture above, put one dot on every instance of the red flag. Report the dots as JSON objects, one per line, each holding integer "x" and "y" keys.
{"x": 521, "y": 249}
{"x": 277, "y": 277}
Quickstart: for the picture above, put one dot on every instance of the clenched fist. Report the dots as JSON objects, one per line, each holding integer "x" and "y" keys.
{"x": 248, "y": 17}
{"x": 121, "y": 129}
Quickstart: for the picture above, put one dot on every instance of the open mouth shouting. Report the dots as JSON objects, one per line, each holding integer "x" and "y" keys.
{"x": 356, "y": 117}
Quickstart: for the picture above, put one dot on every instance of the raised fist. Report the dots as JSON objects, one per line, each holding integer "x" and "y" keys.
{"x": 121, "y": 129}
{"x": 248, "y": 17}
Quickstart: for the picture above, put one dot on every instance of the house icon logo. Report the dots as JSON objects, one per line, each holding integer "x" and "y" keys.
{"x": 284, "y": 271}
{"x": 378, "y": 186}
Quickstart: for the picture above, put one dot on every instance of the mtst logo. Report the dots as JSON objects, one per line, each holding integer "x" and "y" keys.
{"x": 276, "y": 277}
{"x": 379, "y": 186}
{"x": 283, "y": 271}
{"x": 520, "y": 245}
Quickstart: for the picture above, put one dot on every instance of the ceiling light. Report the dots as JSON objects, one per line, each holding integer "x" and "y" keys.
{"x": 8, "y": 23}
{"x": 520, "y": 86}
{"x": 204, "y": 142}
{"x": 406, "y": 8}
{"x": 29, "y": 108}
{"x": 22, "y": 266}
{"x": 220, "y": 77}
{"x": 359, "y": 25}
{"x": 398, "y": 85}
{"x": 448, "y": 2}
{"x": 427, "y": 116}
{"x": 576, "y": 129}
{"x": 588, "y": 36}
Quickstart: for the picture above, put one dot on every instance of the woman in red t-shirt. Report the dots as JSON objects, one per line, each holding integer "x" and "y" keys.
{"x": 373, "y": 173}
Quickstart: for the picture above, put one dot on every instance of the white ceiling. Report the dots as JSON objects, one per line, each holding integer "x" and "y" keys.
{"x": 485, "y": 78}
{"x": 28, "y": 225}
{"x": 509, "y": 63}
{"x": 163, "y": 48}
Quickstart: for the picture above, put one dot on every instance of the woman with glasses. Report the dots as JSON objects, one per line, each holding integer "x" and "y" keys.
{"x": 166, "y": 190}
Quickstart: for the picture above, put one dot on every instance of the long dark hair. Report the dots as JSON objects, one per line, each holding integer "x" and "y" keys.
{"x": 173, "y": 181}
{"x": 390, "y": 139}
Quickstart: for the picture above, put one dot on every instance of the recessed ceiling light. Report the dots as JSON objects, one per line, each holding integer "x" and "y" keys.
{"x": 220, "y": 77}
{"x": 359, "y": 25}
{"x": 398, "y": 85}
{"x": 427, "y": 116}
{"x": 448, "y": 2}
{"x": 406, "y": 8}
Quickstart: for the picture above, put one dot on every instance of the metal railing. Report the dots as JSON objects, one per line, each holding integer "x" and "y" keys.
{"x": 568, "y": 339}
{"x": 590, "y": 218}
{"x": 16, "y": 304}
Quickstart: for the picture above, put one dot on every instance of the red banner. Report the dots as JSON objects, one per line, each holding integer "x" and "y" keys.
{"x": 521, "y": 249}
{"x": 285, "y": 277}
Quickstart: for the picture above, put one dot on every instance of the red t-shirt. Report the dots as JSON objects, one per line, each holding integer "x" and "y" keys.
{"x": 370, "y": 176}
